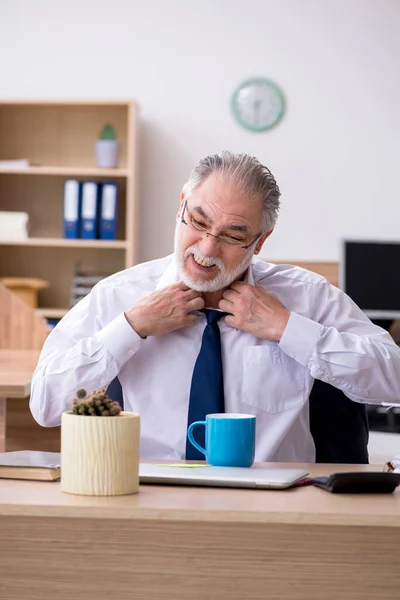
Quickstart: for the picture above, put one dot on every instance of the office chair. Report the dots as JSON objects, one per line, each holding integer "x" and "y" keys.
{"x": 338, "y": 425}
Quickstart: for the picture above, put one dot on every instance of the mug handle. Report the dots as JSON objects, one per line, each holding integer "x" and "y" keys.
{"x": 191, "y": 438}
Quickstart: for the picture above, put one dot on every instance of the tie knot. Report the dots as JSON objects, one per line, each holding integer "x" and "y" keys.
{"x": 213, "y": 316}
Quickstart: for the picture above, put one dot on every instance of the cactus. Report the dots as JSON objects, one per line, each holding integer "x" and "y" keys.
{"x": 96, "y": 404}
{"x": 107, "y": 133}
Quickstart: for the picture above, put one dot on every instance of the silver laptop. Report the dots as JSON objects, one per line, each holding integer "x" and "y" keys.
{"x": 255, "y": 477}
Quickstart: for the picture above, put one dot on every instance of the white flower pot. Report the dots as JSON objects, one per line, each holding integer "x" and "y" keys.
{"x": 100, "y": 455}
{"x": 107, "y": 152}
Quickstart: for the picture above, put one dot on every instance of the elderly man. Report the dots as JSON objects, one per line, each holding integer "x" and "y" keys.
{"x": 211, "y": 328}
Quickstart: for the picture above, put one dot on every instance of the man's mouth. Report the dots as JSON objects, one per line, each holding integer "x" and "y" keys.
{"x": 203, "y": 263}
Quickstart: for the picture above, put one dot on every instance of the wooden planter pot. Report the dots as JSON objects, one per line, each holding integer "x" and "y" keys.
{"x": 100, "y": 455}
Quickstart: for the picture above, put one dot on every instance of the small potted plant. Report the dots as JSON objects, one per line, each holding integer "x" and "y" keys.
{"x": 107, "y": 148}
{"x": 99, "y": 447}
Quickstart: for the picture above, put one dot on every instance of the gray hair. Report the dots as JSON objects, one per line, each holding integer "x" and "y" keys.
{"x": 247, "y": 173}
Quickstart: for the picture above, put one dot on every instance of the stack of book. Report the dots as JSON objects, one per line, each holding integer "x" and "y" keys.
{"x": 13, "y": 226}
{"x": 82, "y": 284}
{"x": 30, "y": 464}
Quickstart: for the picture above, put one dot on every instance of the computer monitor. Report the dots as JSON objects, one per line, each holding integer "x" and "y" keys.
{"x": 369, "y": 272}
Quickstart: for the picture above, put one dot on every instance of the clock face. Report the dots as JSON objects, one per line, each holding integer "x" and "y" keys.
{"x": 258, "y": 104}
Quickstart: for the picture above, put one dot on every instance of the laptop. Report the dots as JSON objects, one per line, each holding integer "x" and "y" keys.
{"x": 235, "y": 477}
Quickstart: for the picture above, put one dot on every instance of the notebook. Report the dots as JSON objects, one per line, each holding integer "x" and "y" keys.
{"x": 205, "y": 475}
{"x": 30, "y": 464}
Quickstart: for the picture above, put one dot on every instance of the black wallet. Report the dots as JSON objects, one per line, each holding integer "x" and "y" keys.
{"x": 358, "y": 483}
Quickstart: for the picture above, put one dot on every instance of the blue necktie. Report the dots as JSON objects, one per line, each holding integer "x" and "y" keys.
{"x": 207, "y": 388}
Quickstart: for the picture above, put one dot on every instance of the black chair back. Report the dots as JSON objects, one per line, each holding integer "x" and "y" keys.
{"x": 338, "y": 425}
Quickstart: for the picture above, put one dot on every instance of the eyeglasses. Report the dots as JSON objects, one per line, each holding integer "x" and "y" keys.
{"x": 225, "y": 238}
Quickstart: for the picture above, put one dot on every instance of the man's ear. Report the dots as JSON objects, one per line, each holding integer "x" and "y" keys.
{"x": 261, "y": 241}
{"x": 182, "y": 201}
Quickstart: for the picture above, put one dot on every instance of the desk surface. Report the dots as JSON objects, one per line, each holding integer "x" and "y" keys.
{"x": 16, "y": 370}
{"x": 195, "y": 543}
{"x": 303, "y": 505}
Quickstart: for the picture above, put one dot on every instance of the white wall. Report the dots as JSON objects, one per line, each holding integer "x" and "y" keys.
{"x": 336, "y": 153}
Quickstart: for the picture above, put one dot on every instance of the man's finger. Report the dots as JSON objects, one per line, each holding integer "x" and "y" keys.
{"x": 230, "y": 320}
{"x": 195, "y": 304}
{"x": 189, "y": 294}
{"x": 180, "y": 286}
{"x": 230, "y": 295}
{"x": 262, "y": 290}
{"x": 238, "y": 285}
{"x": 226, "y": 306}
{"x": 189, "y": 320}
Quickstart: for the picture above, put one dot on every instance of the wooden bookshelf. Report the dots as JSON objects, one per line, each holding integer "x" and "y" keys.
{"x": 52, "y": 313}
{"x": 67, "y": 171}
{"x": 58, "y": 138}
{"x": 63, "y": 243}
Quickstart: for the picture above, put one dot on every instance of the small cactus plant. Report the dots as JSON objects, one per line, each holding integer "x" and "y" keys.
{"x": 96, "y": 404}
{"x": 107, "y": 133}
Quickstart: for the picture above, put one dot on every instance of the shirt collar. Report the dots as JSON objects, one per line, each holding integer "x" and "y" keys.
{"x": 249, "y": 275}
{"x": 171, "y": 275}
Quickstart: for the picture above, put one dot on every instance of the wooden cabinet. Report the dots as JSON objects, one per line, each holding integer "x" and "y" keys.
{"x": 58, "y": 138}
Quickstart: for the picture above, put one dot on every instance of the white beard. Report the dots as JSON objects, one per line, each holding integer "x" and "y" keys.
{"x": 222, "y": 279}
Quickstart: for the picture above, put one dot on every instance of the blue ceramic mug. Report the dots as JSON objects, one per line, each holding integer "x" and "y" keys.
{"x": 230, "y": 439}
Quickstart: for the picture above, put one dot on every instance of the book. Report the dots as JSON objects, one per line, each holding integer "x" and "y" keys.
{"x": 13, "y": 225}
{"x": 30, "y": 464}
{"x": 89, "y": 210}
{"x": 108, "y": 211}
{"x": 72, "y": 209}
{"x": 22, "y": 163}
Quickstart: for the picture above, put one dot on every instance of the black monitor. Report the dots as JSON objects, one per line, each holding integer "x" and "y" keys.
{"x": 369, "y": 273}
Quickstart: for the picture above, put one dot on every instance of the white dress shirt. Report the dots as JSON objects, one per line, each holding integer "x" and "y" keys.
{"x": 327, "y": 337}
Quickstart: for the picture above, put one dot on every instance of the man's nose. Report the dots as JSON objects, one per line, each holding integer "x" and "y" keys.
{"x": 209, "y": 245}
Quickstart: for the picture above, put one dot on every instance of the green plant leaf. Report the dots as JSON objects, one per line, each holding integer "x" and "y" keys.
{"x": 107, "y": 133}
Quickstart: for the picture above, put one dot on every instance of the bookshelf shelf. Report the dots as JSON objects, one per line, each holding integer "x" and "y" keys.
{"x": 58, "y": 137}
{"x": 67, "y": 171}
{"x": 52, "y": 313}
{"x": 63, "y": 243}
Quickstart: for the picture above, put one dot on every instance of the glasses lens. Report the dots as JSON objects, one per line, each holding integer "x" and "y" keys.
{"x": 225, "y": 239}
{"x": 198, "y": 224}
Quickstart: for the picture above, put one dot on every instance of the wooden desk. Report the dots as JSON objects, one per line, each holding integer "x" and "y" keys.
{"x": 16, "y": 370}
{"x": 177, "y": 543}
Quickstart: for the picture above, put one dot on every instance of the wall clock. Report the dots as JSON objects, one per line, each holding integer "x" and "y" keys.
{"x": 258, "y": 104}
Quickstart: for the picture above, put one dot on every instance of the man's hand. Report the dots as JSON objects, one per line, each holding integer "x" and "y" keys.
{"x": 165, "y": 310}
{"x": 254, "y": 310}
